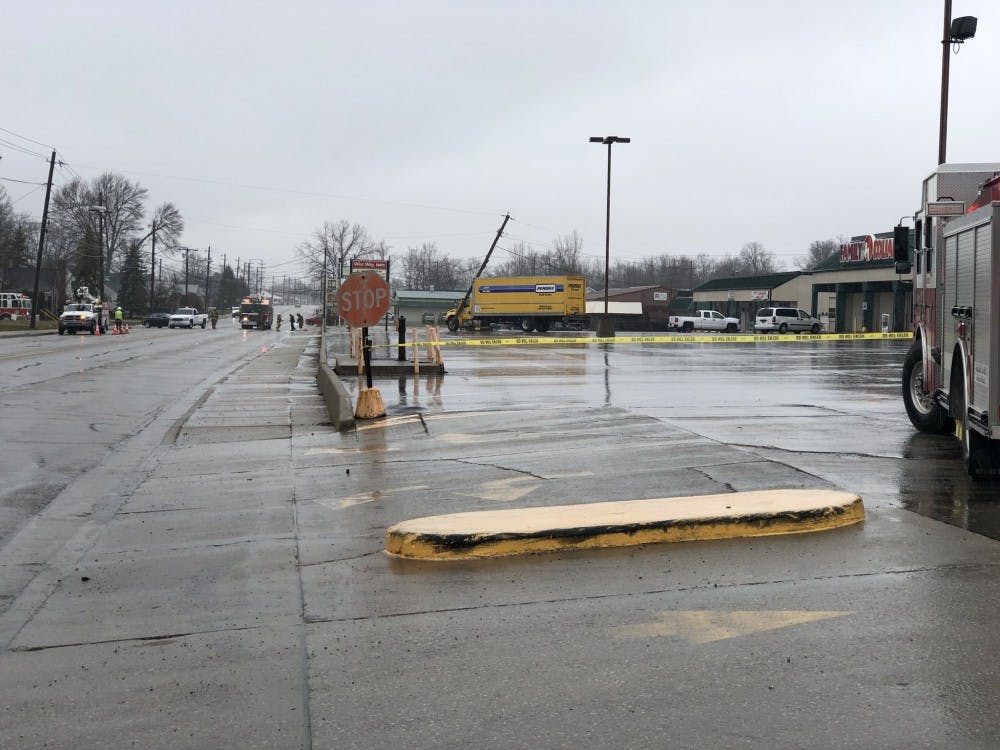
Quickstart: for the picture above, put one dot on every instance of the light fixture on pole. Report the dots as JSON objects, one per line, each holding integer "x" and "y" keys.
{"x": 955, "y": 33}
{"x": 605, "y": 327}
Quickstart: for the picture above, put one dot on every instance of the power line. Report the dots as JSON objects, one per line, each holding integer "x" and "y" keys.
{"x": 23, "y": 150}
{"x": 309, "y": 193}
{"x": 23, "y": 182}
{"x": 25, "y": 138}
{"x": 30, "y": 192}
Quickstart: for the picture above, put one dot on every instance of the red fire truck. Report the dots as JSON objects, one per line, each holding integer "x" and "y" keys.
{"x": 951, "y": 374}
{"x": 14, "y": 305}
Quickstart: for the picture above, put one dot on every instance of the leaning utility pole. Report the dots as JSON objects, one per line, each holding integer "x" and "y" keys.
{"x": 486, "y": 260}
{"x": 41, "y": 241}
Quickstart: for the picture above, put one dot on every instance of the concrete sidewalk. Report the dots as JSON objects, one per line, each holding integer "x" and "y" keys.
{"x": 165, "y": 606}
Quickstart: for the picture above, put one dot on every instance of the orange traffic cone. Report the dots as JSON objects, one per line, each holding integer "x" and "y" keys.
{"x": 114, "y": 330}
{"x": 97, "y": 331}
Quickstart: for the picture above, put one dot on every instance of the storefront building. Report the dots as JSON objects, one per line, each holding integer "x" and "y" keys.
{"x": 856, "y": 289}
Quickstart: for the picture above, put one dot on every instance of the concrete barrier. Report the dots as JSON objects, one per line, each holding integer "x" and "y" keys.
{"x": 338, "y": 402}
{"x": 621, "y": 523}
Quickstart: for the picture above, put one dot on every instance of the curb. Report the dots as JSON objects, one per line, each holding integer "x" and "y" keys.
{"x": 338, "y": 402}
{"x": 517, "y": 531}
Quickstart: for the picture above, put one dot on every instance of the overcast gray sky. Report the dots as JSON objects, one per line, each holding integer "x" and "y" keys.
{"x": 776, "y": 122}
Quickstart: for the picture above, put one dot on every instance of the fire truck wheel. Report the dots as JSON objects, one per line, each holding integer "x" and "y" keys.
{"x": 453, "y": 324}
{"x": 527, "y": 325}
{"x": 921, "y": 407}
{"x": 542, "y": 326}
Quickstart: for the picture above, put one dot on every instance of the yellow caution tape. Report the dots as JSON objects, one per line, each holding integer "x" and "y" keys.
{"x": 720, "y": 338}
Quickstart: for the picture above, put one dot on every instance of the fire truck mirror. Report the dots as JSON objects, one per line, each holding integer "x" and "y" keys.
{"x": 901, "y": 242}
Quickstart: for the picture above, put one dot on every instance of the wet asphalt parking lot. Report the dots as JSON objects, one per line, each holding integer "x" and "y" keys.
{"x": 217, "y": 615}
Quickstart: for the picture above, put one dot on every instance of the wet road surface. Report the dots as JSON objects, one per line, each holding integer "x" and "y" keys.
{"x": 219, "y": 578}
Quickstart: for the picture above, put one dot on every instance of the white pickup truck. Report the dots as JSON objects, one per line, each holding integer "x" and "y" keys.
{"x": 187, "y": 317}
{"x": 78, "y": 316}
{"x": 703, "y": 320}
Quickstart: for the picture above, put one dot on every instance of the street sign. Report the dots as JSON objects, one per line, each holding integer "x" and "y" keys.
{"x": 363, "y": 299}
{"x": 381, "y": 267}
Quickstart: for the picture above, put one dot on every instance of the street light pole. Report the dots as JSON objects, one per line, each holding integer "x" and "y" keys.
{"x": 606, "y": 328}
{"x": 955, "y": 33}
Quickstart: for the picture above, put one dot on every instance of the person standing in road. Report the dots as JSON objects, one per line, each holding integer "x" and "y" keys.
{"x": 279, "y": 321}
{"x": 213, "y": 315}
{"x": 300, "y": 320}
{"x": 291, "y": 319}
{"x": 119, "y": 319}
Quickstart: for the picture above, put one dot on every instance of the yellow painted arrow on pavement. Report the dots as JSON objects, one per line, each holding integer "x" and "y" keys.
{"x": 707, "y": 626}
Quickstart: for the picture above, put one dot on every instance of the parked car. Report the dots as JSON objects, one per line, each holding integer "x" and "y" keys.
{"x": 428, "y": 319}
{"x": 236, "y": 311}
{"x": 315, "y": 320}
{"x": 157, "y": 320}
{"x": 785, "y": 319}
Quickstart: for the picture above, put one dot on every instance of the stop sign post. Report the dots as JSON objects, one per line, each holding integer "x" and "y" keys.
{"x": 362, "y": 300}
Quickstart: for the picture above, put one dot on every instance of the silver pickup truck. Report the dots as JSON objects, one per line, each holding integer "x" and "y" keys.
{"x": 187, "y": 317}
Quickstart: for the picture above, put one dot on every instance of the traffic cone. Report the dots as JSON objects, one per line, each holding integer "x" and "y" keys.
{"x": 114, "y": 330}
{"x": 126, "y": 328}
{"x": 97, "y": 331}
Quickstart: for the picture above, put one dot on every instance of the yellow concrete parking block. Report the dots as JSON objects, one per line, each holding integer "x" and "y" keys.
{"x": 622, "y": 523}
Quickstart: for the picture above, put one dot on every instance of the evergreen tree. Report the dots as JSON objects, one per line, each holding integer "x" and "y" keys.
{"x": 230, "y": 290}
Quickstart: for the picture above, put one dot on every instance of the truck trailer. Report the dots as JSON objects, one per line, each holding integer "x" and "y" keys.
{"x": 951, "y": 373}
{"x": 531, "y": 303}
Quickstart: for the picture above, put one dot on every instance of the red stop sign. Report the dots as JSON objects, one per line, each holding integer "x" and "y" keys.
{"x": 363, "y": 299}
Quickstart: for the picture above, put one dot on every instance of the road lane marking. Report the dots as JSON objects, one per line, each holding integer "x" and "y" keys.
{"x": 709, "y": 626}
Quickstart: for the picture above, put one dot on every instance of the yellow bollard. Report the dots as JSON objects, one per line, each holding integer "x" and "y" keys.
{"x": 416, "y": 354}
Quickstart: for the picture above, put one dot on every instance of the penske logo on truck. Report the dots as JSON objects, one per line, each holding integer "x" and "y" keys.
{"x": 518, "y": 288}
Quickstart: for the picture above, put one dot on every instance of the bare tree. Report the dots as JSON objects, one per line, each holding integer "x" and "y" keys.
{"x": 61, "y": 246}
{"x": 819, "y": 252}
{"x": 166, "y": 227}
{"x": 333, "y": 244}
{"x": 567, "y": 251}
{"x": 522, "y": 260}
{"x": 754, "y": 260}
{"x": 122, "y": 200}
{"x": 426, "y": 268}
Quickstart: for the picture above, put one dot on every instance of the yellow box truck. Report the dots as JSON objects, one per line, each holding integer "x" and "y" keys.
{"x": 530, "y": 303}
